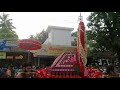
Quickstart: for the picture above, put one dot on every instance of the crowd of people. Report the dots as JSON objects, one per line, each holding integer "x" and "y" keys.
{"x": 27, "y": 70}
{"x": 109, "y": 71}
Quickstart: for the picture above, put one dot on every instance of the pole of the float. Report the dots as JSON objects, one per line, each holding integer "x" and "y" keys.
{"x": 28, "y": 55}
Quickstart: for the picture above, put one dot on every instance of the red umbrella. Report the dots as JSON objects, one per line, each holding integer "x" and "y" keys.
{"x": 29, "y": 44}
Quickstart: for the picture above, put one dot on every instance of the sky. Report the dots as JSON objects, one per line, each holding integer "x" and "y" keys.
{"x": 30, "y": 23}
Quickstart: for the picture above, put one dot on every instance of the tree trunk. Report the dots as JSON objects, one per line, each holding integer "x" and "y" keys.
{"x": 118, "y": 57}
{"x": 118, "y": 54}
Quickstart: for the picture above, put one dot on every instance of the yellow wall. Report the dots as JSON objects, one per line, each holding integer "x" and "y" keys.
{"x": 2, "y": 55}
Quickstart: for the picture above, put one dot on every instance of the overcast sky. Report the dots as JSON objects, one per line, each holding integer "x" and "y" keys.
{"x": 30, "y": 23}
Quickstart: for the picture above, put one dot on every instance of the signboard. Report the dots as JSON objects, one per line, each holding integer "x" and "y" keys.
{"x": 11, "y": 43}
{"x": 16, "y": 57}
{"x": 2, "y": 44}
{"x": 5, "y": 45}
{"x": 53, "y": 50}
{"x": 16, "y": 49}
{"x": 19, "y": 57}
{"x": 9, "y": 57}
{"x": 2, "y": 55}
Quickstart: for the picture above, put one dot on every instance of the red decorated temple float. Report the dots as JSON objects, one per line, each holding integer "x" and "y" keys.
{"x": 69, "y": 65}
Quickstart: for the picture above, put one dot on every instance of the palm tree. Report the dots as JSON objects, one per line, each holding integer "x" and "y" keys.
{"x": 5, "y": 22}
{"x": 6, "y": 27}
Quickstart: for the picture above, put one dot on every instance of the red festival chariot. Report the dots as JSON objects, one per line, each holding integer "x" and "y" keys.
{"x": 69, "y": 65}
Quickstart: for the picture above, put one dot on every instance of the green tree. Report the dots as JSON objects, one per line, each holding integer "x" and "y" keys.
{"x": 6, "y": 32}
{"x": 74, "y": 34}
{"x": 42, "y": 36}
{"x": 89, "y": 41}
{"x": 32, "y": 37}
{"x": 105, "y": 31}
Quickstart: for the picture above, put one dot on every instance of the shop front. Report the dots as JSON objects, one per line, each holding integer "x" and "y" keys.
{"x": 10, "y": 53}
{"x": 45, "y": 56}
{"x": 14, "y": 58}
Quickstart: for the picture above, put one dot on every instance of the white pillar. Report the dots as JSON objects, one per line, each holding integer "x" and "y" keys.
{"x": 107, "y": 62}
{"x": 100, "y": 62}
{"x": 38, "y": 61}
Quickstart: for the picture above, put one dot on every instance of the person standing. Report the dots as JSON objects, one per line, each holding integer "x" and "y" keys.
{"x": 8, "y": 72}
{"x": 3, "y": 72}
{"x": 27, "y": 73}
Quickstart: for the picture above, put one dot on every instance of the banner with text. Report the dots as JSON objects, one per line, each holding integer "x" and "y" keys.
{"x": 53, "y": 50}
{"x": 2, "y": 55}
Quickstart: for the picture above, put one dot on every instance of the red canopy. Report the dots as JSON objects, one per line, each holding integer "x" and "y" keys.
{"x": 29, "y": 44}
